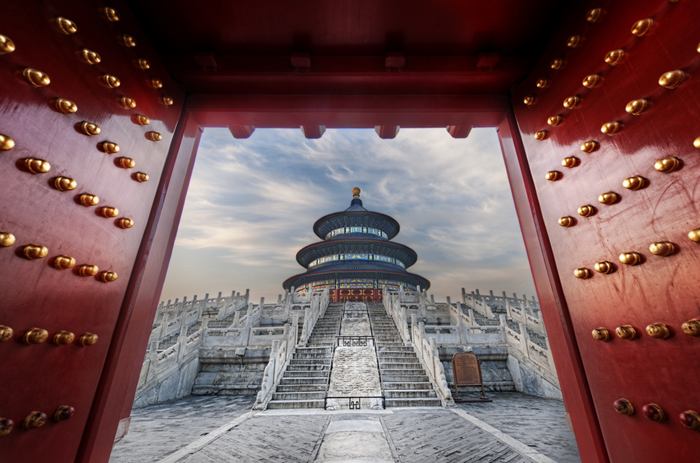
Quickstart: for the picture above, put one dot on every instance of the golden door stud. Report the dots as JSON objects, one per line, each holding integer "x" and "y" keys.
{"x": 601, "y": 334}
{"x": 88, "y": 199}
{"x": 567, "y": 221}
{"x": 627, "y": 332}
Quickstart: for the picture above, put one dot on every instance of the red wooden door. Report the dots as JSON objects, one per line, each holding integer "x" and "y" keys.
{"x": 609, "y": 122}
{"x": 75, "y": 84}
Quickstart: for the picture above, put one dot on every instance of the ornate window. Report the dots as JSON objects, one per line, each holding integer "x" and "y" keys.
{"x": 363, "y": 230}
{"x": 356, "y": 256}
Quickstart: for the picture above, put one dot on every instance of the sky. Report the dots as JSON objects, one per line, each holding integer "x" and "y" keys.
{"x": 252, "y": 203}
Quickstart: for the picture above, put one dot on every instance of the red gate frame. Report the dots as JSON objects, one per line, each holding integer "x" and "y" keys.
{"x": 119, "y": 380}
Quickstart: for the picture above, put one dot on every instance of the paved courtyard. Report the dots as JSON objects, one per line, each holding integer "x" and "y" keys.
{"x": 513, "y": 428}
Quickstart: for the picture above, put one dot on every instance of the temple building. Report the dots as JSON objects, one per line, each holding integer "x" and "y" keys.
{"x": 356, "y": 259}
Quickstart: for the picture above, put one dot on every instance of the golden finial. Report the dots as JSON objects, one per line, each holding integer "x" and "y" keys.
{"x": 356, "y": 192}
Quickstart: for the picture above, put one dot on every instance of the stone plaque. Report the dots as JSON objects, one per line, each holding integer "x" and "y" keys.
{"x": 466, "y": 369}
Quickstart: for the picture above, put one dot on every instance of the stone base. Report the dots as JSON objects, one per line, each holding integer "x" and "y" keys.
{"x": 531, "y": 382}
{"x": 174, "y": 384}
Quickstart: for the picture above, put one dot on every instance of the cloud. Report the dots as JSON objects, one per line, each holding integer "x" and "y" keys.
{"x": 252, "y": 203}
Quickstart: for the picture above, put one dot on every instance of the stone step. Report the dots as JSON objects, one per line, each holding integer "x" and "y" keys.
{"x": 312, "y": 358}
{"x": 404, "y": 378}
{"x": 273, "y": 404}
{"x": 302, "y": 388}
{"x": 306, "y": 373}
{"x": 398, "y": 357}
{"x": 386, "y": 353}
{"x": 312, "y": 348}
{"x": 309, "y": 367}
{"x": 326, "y": 360}
{"x": 402, "y": 371}
{"x": 412, "y": 402}
{"x": 304, "y": 380}
{"x": 392, "y": 365}
{"x": 410, "y": 394}
{"x": 401, "y": 386}
{"x": 302, "y": 395}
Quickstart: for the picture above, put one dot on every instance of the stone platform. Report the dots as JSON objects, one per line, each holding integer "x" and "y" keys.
{"x": 512, "y": 428}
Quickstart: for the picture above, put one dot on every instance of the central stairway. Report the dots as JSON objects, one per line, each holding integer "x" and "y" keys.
{"x": 404, "y": 382}
{"x": 305, "y": 381}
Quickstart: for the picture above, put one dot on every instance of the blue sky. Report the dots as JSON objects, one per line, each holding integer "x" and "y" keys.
{"x": 251, "y": 205}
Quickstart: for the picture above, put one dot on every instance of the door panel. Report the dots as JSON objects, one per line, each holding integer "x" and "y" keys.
{"x": 659, "y": 289}
{"x": 35, "y": 210}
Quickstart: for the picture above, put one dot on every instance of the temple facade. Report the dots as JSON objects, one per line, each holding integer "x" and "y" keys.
{"x": 356, "y": 259}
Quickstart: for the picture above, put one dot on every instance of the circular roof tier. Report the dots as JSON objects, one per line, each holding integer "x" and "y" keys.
{"x": 356, "y": 216}
{"x": 355, "y": 273}
{"x": 357, "y": 246}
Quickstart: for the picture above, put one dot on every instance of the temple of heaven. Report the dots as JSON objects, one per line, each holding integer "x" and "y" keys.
{"x": 356, "y": 259}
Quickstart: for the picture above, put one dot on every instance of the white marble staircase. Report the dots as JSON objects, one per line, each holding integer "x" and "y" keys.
{"x": 404, "y": 382}
{"x": 305, "y": 381}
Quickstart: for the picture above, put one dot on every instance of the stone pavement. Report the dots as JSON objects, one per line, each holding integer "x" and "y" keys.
{"x": 513, "y": 428}
{"x": 538, "y": 423}
{"x": 159, "y": 430}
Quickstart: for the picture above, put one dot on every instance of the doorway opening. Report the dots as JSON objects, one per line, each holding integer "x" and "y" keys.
{"x": 249, "y": 210}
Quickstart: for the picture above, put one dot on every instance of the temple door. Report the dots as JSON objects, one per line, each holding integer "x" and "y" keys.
{"x": 87, "y": 116}
{"x": 609, "y": 129}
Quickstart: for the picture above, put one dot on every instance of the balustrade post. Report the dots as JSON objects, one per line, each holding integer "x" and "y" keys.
{"x": 435, "y": 356}
{"x": 462, "y": 327}
{"x": 421, "y": 336}
{"x": 404, "y": 324}
{"x": 182, "y": 340}
{"x": 525, "y": 338}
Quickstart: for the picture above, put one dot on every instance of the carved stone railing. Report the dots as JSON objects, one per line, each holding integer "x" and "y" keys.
{"x": 159, "y": 365}
{"x": 280, "y": 354}
{"x": 525, "y": 350}
{"x": 317, "y": 308}
{"x": 393, "y": 307}
{"x": 427, "y": 353}
{"x": 478, "y": 306}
